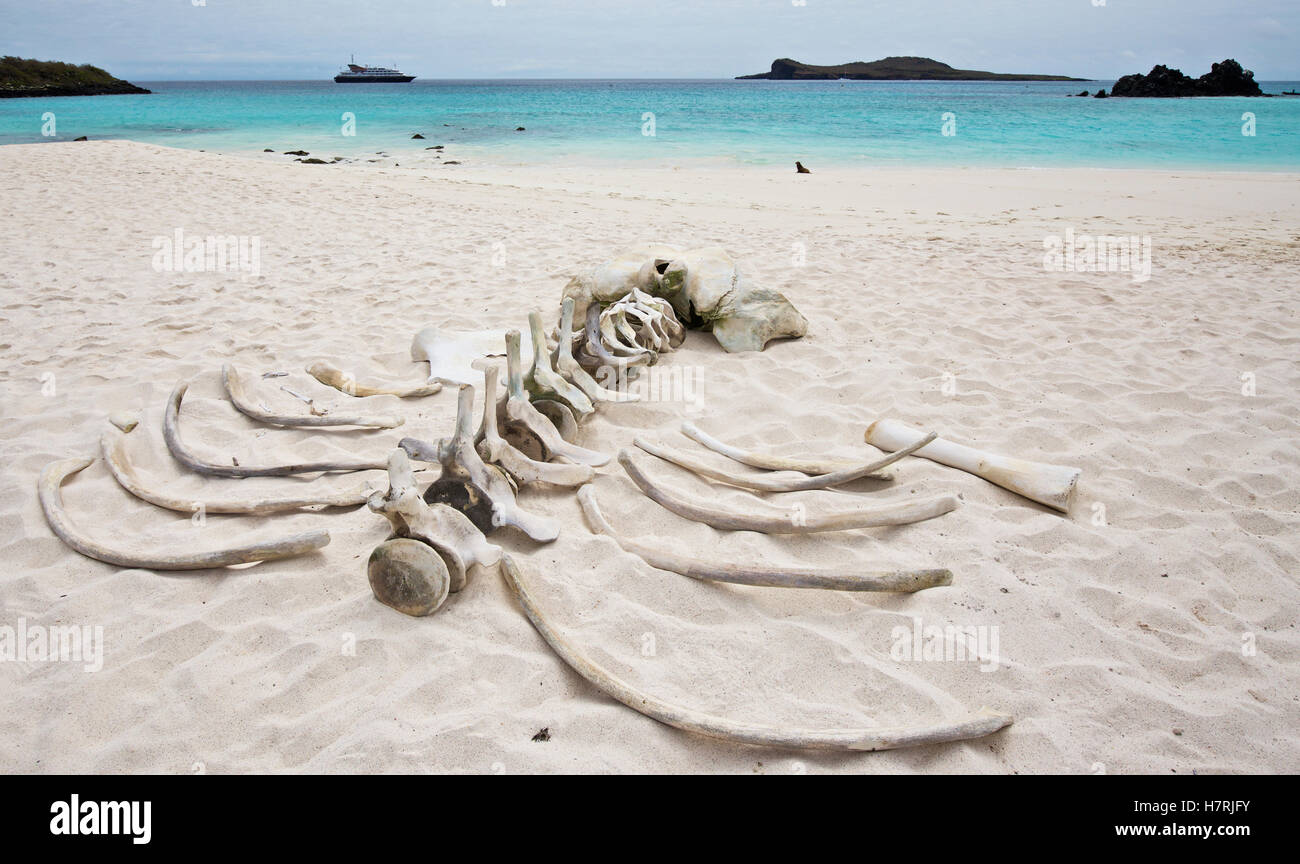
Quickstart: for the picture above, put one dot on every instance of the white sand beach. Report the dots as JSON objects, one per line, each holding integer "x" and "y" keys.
{"x": 1153, "y": 629}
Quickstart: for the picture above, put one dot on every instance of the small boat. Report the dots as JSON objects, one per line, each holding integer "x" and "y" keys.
{"x": 371, "y": 75}
{"x": 1290, "y": 93}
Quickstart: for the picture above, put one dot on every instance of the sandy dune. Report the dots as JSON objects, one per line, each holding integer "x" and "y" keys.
{"x": 1153, "y": 630}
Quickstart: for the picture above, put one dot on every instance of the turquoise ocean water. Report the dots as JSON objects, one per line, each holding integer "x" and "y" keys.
{"x": 694, "y": 122}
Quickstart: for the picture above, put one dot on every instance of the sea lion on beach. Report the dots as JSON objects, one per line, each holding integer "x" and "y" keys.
{"x": 799, "y": 169}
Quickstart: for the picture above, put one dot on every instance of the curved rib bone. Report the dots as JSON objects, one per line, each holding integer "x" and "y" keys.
{"x": 453, "y": 536}
{"x": 796, "y": 521}
{"x": 112, "y": 443}
{"x": 978, "y": 725}
{"x": 172, "y": 434}
{"x": 482, "y": 492}
{"x": 769, "y": 461}
{"x": 52, "y": 478}
{"x": 239, "y": 397}
{"x": 567, "y": 366}
{"x": 332, "y": 376}
{"x": 1052, "y": 485}
{"x": 493, "y": 448}
{"x": 520, "y": 412}
{"x": 596, "y": 354}
{"x": 543, "y": 382}
{"x": 751, "y": 574}
{"x": 768, "y": 483}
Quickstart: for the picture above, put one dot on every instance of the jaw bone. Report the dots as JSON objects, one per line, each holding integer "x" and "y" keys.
{"x": 112, "y": 446}
{"x": 543, "y": 382}
{"x": 1052, "y": 485}
{"x": 482, "y": 492}
{"x": 769, "y": 483}
{"x": 451, "y": 355}
{"x": 239, "y": 397}
{"x": 493, "y": 448}
{"x": 791, "y": 522}
{"x": 447, "y": 531}
{"x": 769, "y": 461}
{"x": 570, "y": 368}
{"x": 55, "y": 473}
{"x": 521, "y": 413}
{"x": 172, "y": 434}
{"x": 332, "y": 376}
{"x": 977, "y": 725}
{"x": 664, "y": 558}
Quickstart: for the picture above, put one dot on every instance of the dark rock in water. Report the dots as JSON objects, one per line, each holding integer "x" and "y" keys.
{"x": 799, "y": 169}
{"x": 82, "y": 138}
{"x": 417, "y": 135}
{"x": 1100, "y": 94}
{"x": 295, "y": 153}
{"x": 1223, "y": 79}
{"x": 451, "y": 162}
{"x": 19, "y": 78}
{"x": 1084, "y": 93}
{"x": 312, "y": 161}
{"x": 889, "y": 69}
{"x": 268, "y": 150}
{"x": 520, "y": 129}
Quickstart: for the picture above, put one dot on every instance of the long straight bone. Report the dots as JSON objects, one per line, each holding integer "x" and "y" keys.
{"x": 1052, "y": 485}
{"x": 237, "y": 390}
{"x": 332, "y": 376}
{"x": 794, "y": 521}
{"x": 832, "y": 579}
{"x": 977, "y": 725}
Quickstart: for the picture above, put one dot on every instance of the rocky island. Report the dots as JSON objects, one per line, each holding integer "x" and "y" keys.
{"x": 1223, "y": 79}
{"x": 889, "y": 69}
{"x": 19, "y": 77}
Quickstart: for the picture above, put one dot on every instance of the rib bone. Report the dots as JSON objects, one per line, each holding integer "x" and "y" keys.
{"x": 453, "y": 536}
{"x": 768, "y": 483}
{"x": 332, "y": 376}
{"x": 172, "y": 434}
{"x": 752, "y": 574}
{"x": 595, "y": 354}
{"x": 796, "y": 521}
{"x": 482, "y": 492}
{"x": 52, "y": 478}
{"x": 239, "y": 397}
{"x": 493, "y": 448}
{"x": 112, "y": 445}
{"x": 769, "y": 461}
{"x": 521, "y": 413}
{"x": 977, "y": 725}
{"x": 1052, "y": 485}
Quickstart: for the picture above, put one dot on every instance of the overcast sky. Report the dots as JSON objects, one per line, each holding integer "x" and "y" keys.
{"x": 299, "y": 39}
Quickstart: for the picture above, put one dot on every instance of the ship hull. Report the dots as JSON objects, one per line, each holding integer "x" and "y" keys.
{"x": 374, "y": 79}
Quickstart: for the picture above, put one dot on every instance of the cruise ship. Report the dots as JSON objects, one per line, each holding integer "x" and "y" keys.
{"x": 371, "y": 75}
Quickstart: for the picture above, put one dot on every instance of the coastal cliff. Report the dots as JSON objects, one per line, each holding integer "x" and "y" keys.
{"x": 19, "y": 78}
{"x": 889, "y": 69}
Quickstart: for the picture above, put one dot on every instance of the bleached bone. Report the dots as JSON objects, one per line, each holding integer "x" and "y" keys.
{"x": 794, "y": 521}
{"x": 408, "y": 576}
{"x": 493, "y": 448}
{"x": 51, "y": 498}
{"x": 521, "y": 413}
{"x": 239, "y": 397}
{"x": 451, "y": 355}
{"x": 1052, "y": 485}
{"x": 332, "y": 376}
{"x": 796, "y": 482}
{"x": 482, "y": 492}
{"x": 560, "y": 415}
{"x": 119, "y": 465}
{"x": 770, "y": 461}
{"x": 619, "y": 337}
{"x": 172, "y": 434}
{"x": 832, "y": 579}
{"x": 977, "y": 725}
{"x": 570, "y": 368}
{"x": 543, "y": 382}
{"x": 595, "y": 354}
{"x": 452, "y": 535}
